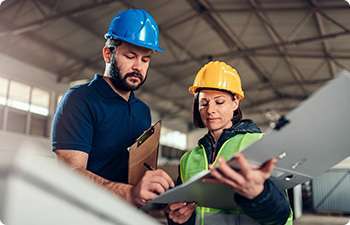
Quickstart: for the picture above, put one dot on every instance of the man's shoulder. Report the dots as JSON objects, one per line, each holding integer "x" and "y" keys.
{"x": 81, "y": 91}
{"x": 78, "y": 95}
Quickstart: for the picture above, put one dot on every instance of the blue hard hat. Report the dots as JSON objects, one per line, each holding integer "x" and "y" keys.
{"x": 137, "y": 27}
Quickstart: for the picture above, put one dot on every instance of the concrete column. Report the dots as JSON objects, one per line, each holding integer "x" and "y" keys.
{"x": 297, "y": 201}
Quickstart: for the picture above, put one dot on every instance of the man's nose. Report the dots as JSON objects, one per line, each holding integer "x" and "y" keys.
{"x": 137, "y": 65}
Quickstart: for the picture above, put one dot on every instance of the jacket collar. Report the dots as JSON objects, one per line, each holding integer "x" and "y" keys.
{"x": 242, "y": 127}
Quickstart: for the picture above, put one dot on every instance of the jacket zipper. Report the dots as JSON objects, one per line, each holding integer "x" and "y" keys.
{"x": 213, "y": 154}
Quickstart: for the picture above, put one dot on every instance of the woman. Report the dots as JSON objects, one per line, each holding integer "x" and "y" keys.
{"x": 217, "y": 94}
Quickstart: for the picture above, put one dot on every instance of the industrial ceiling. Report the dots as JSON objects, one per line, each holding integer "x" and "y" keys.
{"x": 283, "y": 50}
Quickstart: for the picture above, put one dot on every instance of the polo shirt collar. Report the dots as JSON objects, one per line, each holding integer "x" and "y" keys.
{"x": 105, "y": 90}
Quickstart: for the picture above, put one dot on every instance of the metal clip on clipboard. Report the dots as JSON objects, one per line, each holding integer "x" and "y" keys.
{"x": 140, "y": 140}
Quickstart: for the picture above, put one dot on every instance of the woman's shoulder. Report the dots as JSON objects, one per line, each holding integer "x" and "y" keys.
{"x": 246, "y": 126}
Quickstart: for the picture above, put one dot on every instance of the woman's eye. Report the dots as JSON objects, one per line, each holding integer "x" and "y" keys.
{"x": 220, "y": 102}
{"x": 129, "y": 56}
{"x": 203, "y": 104}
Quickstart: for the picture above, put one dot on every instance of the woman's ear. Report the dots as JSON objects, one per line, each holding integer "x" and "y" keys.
{"x": 235, "y": 103}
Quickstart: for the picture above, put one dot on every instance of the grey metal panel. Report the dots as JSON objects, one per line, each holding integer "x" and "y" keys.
{"x": 3, "y": 187}
{"x": 331, "y": 192}
{"x": 307, "y": 137}
{"x": 36, "y": 189}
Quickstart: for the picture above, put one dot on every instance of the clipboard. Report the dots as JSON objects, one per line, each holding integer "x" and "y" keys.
{"x": 310, "y": 139}
{"x": 144, "y": 151}
{"x": 307, "y": 142}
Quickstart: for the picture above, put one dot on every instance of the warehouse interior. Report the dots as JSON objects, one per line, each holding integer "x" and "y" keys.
{"x": 284, "y": 52}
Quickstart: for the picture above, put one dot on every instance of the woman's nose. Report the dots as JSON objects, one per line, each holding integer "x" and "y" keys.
{"x": 211, "y": 108}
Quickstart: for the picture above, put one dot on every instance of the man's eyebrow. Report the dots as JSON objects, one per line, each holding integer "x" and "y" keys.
{"x": 148, "y": 55}
{"x": 132, "y": 52}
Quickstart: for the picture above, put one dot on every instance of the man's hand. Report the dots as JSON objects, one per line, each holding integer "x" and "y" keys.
{"x": 150, "y": 186}
{"x": 181, "y": 212}
{"x": 249, "y": 181}
{"x": 152, "y": 183}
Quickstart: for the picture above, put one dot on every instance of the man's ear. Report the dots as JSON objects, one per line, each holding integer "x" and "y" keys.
{"x": 106, "y": 53}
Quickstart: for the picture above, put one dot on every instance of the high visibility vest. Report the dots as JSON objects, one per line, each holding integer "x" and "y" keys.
{"x": 195, "y": 161}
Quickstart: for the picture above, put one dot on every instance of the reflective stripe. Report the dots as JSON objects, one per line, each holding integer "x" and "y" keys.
{"x": 229, "y": 219}
{"x": 225, "y": 219}
{"x": 290, "y": 218}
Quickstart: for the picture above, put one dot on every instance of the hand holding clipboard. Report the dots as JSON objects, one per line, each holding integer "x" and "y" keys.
{"x": 144, "y": 151}
{"x": 143, "y": 155}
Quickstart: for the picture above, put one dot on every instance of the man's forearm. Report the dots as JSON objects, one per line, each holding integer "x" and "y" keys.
{"x": 123, "y": 190}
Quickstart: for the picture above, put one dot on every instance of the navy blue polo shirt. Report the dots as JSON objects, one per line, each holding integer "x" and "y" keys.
{"x": 94, "y": 119}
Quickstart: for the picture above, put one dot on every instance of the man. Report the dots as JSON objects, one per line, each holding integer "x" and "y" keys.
{"x": 96, "y": 122}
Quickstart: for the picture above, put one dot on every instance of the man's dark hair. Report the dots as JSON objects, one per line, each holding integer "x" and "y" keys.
{"x": 112, "y": 43}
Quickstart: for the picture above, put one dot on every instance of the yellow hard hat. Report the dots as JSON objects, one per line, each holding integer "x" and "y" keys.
{"x": 218, "y": 75}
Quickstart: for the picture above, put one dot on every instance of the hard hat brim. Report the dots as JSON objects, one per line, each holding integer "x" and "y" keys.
{"x": 194, "y": 89}
{"x": 133, "y": 42}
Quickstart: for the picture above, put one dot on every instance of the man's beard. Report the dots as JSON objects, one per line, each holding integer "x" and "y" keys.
{"x": 120, "y": 82}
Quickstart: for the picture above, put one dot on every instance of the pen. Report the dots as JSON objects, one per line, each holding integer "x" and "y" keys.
{"x": 148, "y": 167}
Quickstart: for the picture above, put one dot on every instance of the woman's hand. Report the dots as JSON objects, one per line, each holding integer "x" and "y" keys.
{"x": 181, "y": 212}
{"x": 249, "y": 181}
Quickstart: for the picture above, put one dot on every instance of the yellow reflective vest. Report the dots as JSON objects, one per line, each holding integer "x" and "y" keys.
{"x": 195, "y": 161}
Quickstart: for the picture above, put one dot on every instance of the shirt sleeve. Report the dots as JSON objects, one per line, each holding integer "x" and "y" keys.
{"x": 72, "y": 126}
{"x": 269, "y": 207}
